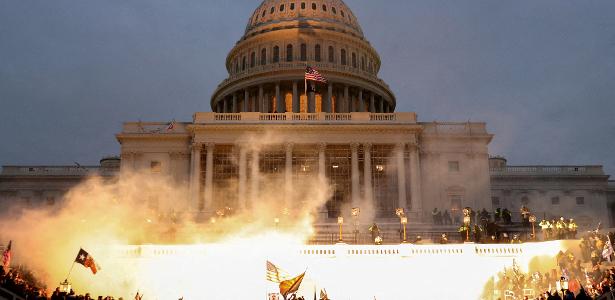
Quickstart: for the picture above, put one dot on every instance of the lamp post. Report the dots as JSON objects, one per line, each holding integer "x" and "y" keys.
{"x": 532, "y": 220}
{"x": 404, "y": 221}
{"x": 340, "y": 222}
{"x": 466, "y": 222}
{"x": 355, "y": 216}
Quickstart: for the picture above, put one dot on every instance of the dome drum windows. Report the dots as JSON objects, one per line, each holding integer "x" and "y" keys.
{"x": 324, "y": 7}
{"x": 331, "y": 54}
{"x": 276, "y": 54}
{"x": 303, "y": 52}
{"x": 333, "y": 10}
{"x": 289, "y": 53}
{"x": 354, "y": 60}
{"x": 302, "y": 5}
{"x": 253, "y": 59}
{"x": 263, "y": 57}
{"x": 343, "y": 57}
{"x": 281, "y": 7}
{"x": 292, "y": 6}
{"x": 272, "y": 10}
{"x": 313, "y": 6}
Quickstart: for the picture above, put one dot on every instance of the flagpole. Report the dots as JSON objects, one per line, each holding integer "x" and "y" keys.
{"x": 69, "y": 271}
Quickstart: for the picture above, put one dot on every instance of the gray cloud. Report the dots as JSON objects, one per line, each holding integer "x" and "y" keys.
{"x": 540, "y": 73}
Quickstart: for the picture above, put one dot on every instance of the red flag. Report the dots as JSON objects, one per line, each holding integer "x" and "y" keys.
{"x": 6, "y": 256}
{"x": 86, "y": 260}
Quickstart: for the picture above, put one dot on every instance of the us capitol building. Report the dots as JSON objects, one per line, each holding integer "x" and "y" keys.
{"x": 346, "y": 133}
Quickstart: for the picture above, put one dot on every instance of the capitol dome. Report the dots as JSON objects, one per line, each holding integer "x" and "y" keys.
{"x": 267, "y": 65}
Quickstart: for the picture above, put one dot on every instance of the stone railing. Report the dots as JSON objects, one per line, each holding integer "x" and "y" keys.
{"x": 156, "y": 127}
{"x": 354, "y": 117}
{"x": 55, "y": 171}
{"x": 548, "y": 170}
{"x": 446, "y": 128}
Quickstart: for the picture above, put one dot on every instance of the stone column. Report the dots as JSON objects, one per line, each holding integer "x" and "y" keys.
{"x": 195, "y": 176}
{"x": 288, "y": 173}
{"x": 255, "y": 180}
{"x": 235, "y": 108}
{"x": 415, "y": 179}
{"x": 361, "y": 104}
{"x": 296, "y": 102}
{"x": 242, "y": 192}
{"x": 246, "y": 100}
{"x": 209, "y": 175}
{"x": 367, "y": 172}
{"x": 356, "y": 189}
{"x": 372, "y": 103}
{"x": 225, "y": 105}
{"x": 311, "y": 99}
{"x": 260, "y": 101}
{"x": 322, "y": 174}
{"x": 329, "y": 106}
{"x": 381, "y": 105}
{"x": 280, "y": 107}
{"x": 401, "y": 176}
{"x": 346, "y": 99}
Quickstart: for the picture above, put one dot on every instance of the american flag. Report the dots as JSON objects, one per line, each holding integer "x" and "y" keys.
{"x": 274, "y": 274}
{"x": 6, "y": 256}
{"x": 312, "y": 74}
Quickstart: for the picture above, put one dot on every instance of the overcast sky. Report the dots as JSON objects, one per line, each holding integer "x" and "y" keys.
{"x": 540, "y": 73}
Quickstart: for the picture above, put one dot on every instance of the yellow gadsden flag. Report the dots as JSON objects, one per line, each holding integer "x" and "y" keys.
{"x": 290, "y": 286}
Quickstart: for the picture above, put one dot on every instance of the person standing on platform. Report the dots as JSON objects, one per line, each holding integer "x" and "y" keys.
{"x": 572, "y": 229}
{"x": 544, "y": 228}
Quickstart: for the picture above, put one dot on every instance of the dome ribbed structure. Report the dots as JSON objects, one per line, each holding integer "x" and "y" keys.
{"x": 266, "y": 67}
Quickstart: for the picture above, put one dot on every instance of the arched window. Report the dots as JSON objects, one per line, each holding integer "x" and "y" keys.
{"x": 363, "y": 63}
{"x": 253, "y": 60}
{"x": 303, "y": 52}
{"x": 264, "y": 11}
{"x": 272, "y": 10}
{"x": 331, "y": 54}
{"x": 370, "y": 67}
{"x": 324, "y": 7}
{"x": 276, "y": 54}
{"x": 263, "y": 57}
{"x": 343, "y": 56}
{"x": 289, "y": 52}
{"x": 281, "y": 7}
{"x": 236, "y": 66}
{"x": 313, "y": 6}
{"x": 354, "y": 60}
{"x": 292, "y": 6}
{"x": 342, "y": 12}
{"x": 302, "y": 5}
{"x": 317, "y": 53}
{"x": 243, "y": 63}
{"x": 334, "y": 10}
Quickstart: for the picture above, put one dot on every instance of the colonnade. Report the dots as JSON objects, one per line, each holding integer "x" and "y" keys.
{"x": 333, "y": 98}
{"x": 359, "y": 192}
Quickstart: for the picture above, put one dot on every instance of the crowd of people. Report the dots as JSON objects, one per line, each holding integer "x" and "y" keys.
{"x": 22, "y": 283}
{"x": 590, "y": 276}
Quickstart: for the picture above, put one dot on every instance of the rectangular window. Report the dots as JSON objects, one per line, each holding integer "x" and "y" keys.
{"x": 555, "y": 201}
{"x": 495, "y": 200}
{"x": 453, "y": 166}
{"x": 155, "y": 167}
{"x": 580, "y": 200}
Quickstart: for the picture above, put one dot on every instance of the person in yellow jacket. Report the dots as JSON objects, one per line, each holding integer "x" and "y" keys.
{"x": 572, "y": 229}
{"x": 561, "y": 228}
{"x": 544, "y": 226}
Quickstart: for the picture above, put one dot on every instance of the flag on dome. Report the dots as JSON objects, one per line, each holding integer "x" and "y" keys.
{"x": 84, "y": 258}
{"x": 6, "y": 256}
{"x": 312, "y": 74}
